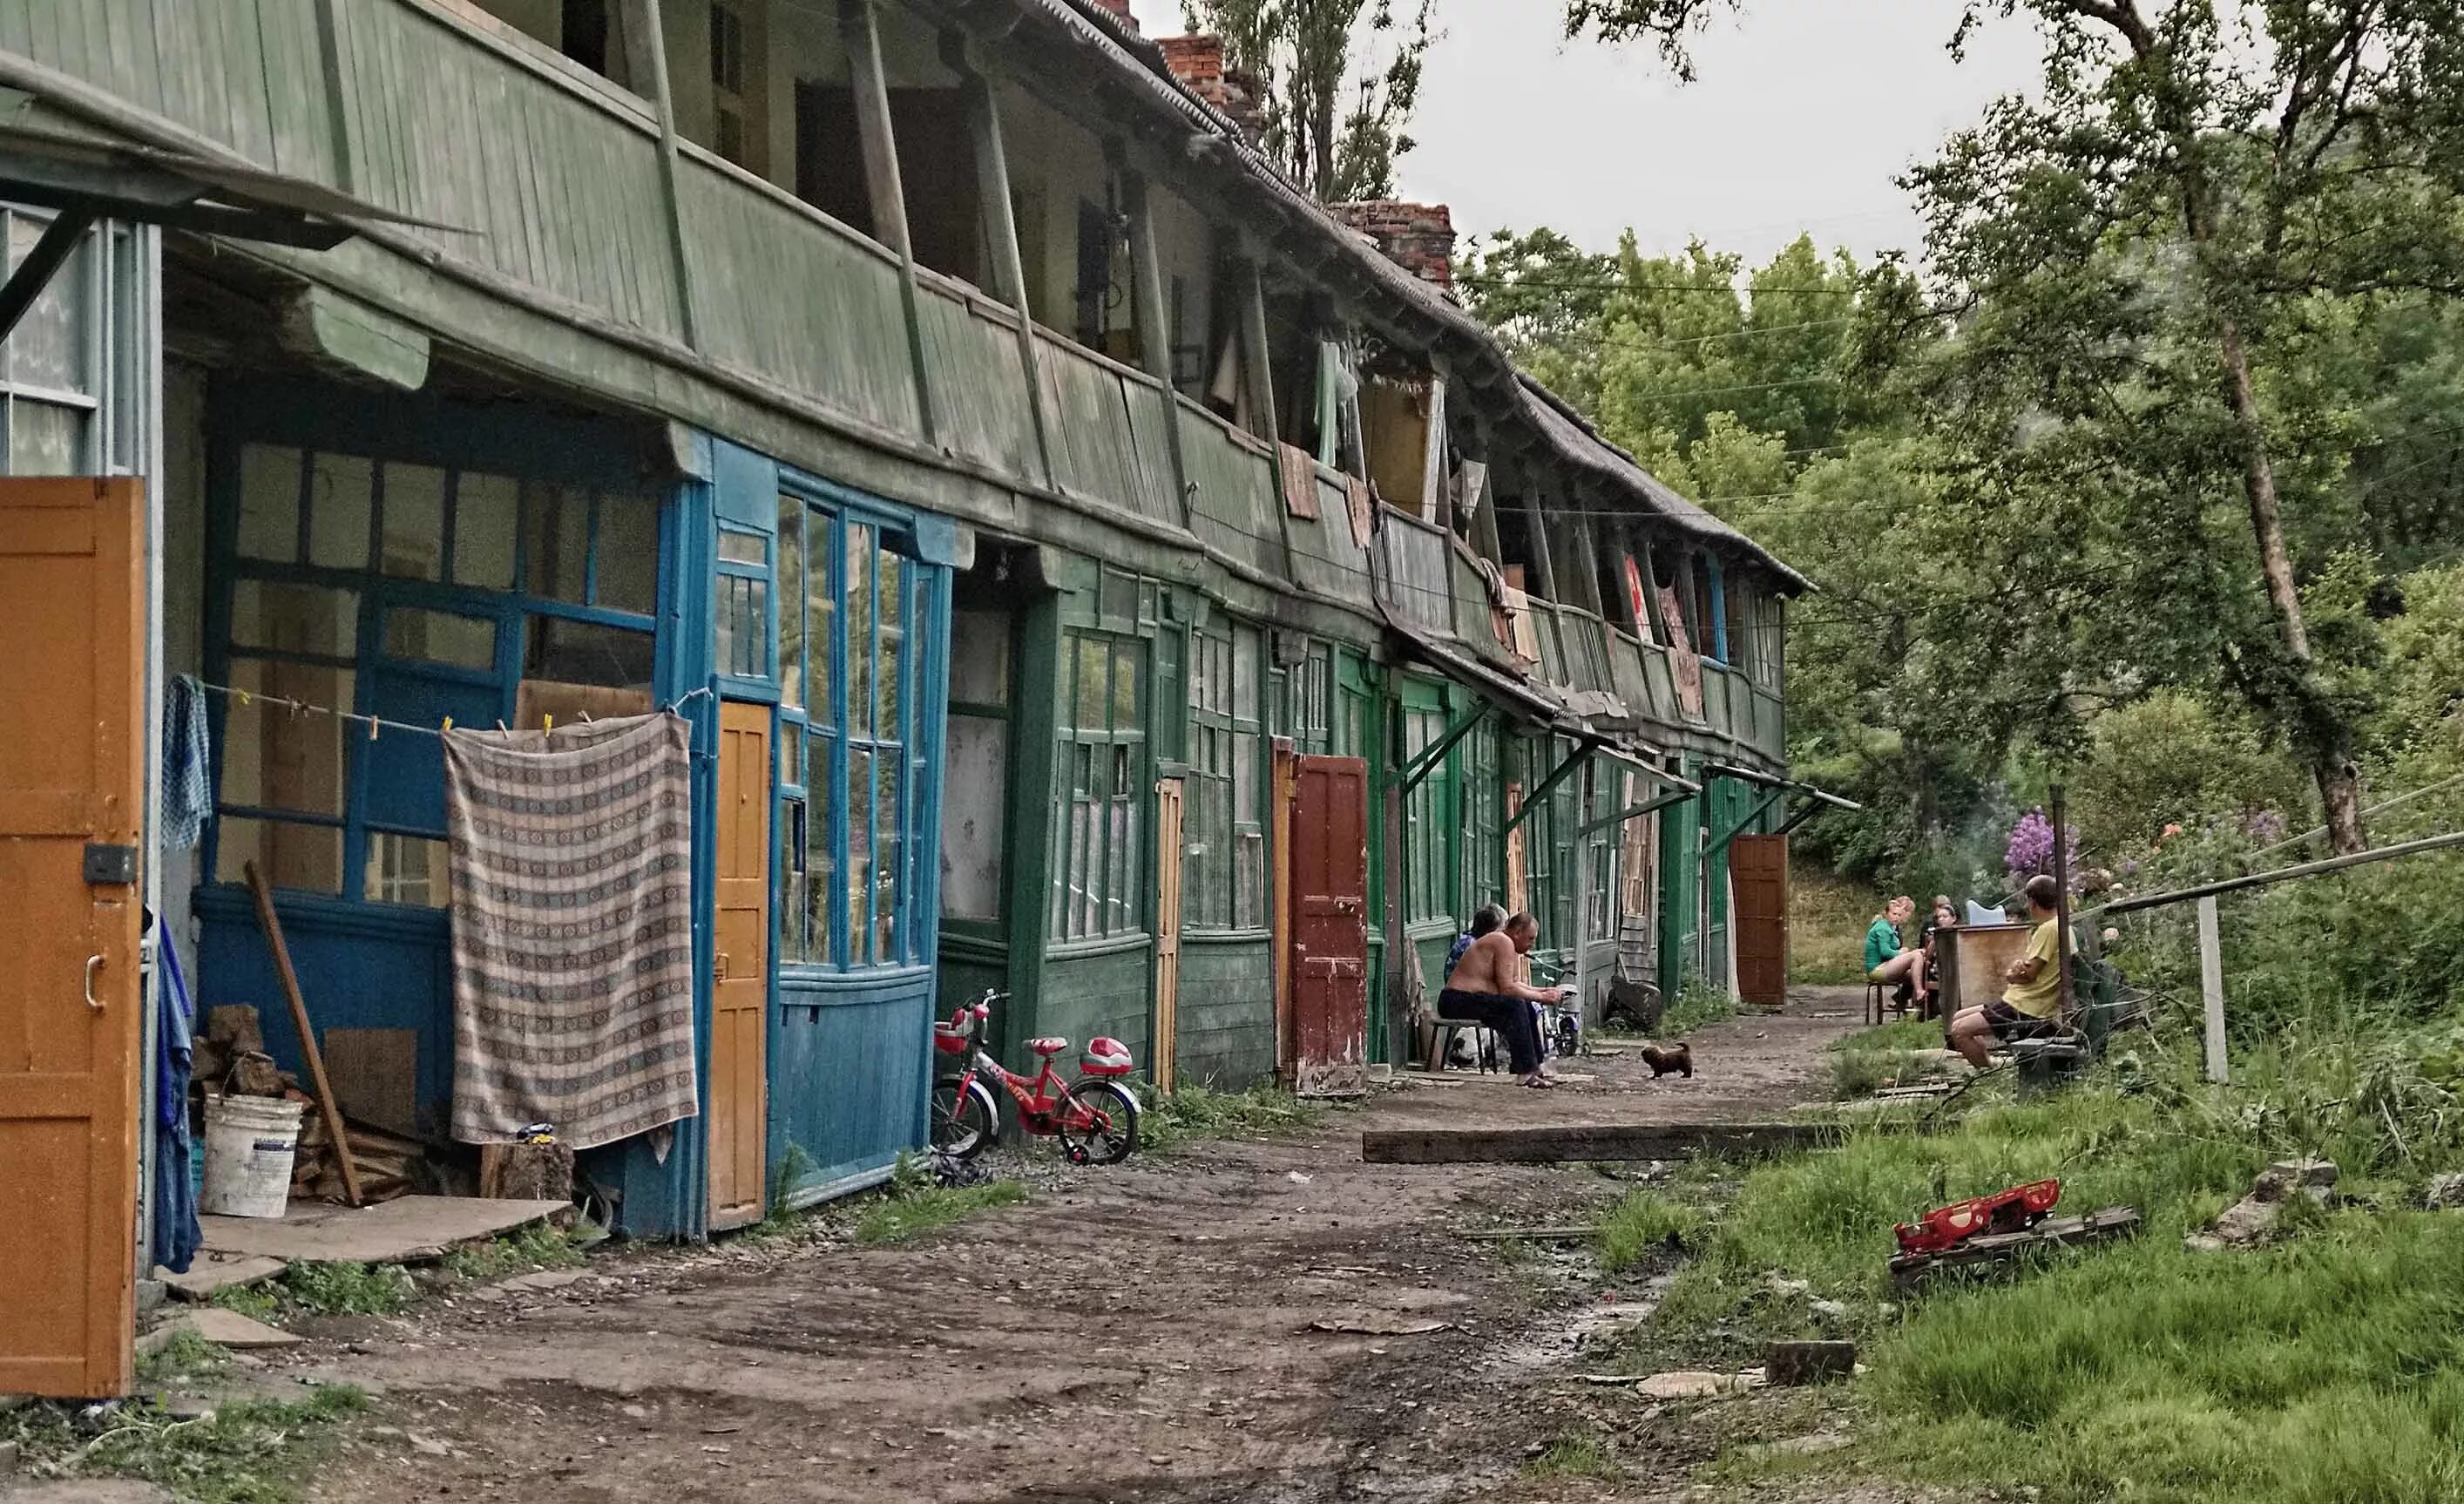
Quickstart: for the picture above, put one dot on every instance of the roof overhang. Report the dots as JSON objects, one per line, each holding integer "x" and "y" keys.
{"x": 1748, "y": 775}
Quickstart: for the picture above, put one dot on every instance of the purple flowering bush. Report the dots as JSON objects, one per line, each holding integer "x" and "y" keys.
{"x": 2030, "y": 851}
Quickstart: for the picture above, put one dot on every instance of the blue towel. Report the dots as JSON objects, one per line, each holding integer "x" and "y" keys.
{"x": 187, "y": 775}
{"x": 1463, "y": 943}
{"x": 177, "y": 1233}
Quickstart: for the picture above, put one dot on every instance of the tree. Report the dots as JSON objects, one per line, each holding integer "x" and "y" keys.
{"x": 2141, "y": 257}
{"x": 1342, "y": 77}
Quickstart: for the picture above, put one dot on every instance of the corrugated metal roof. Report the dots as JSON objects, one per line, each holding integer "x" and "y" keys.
{"x": 1567, "y": 436}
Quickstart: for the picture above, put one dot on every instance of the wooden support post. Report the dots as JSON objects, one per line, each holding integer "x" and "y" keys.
{"x": 1543, "y": 568}
{"x": 1000, "y": 234}
{"x": 1279, "y": 847}
{"x": 2211, "y": 986}
{"x": 2062, "y": 941}
{"x": 862, "y": 34}
{"x": 1402, "y": 966}
{"x": 327, "y": 1108}
{"x": 1256, "y": 355}
{"x": 642, "y": 17}
{"x": 1154, "y": 330}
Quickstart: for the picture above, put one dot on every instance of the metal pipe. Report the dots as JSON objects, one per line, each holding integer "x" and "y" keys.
{"x": 2158, "y": 900}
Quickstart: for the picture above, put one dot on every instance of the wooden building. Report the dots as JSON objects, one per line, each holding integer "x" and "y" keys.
{"x": 1050, "y": 498}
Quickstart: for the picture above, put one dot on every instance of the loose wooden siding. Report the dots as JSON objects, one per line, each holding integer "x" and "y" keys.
{"x": 978, "y": 391}
{"x": 1233, "y": 499}
{"x": 1087, "y": 400}
{"x": 1416, "y": 584}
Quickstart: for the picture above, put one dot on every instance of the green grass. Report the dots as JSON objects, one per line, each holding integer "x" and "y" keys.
{"x": 318, "y": 1289}
{"x": 1699, "y": 1005}
{"x": 2329, "y": 1366}
{"x": 902, "y": 1214}
{"x": 1191, "y": 1112}
{"x": 539, "y": 1246}
{"x": 252, "y": 1452}
{"x": 1576, "y": 1454}
{"x": 184, "y": 1354}
{"x": 1647, "y": 1223}
{"x": 1827, "y": 917}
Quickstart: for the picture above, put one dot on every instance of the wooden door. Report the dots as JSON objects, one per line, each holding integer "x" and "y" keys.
{"x": 739, "y": 1011}
{"x": 1167, "y": 947}
{"x": 1330, "y": 925}
{"x": 71, "y": 800}
{"x": 1758, "y": 917}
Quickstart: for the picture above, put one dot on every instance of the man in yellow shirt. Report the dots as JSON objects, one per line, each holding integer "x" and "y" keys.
{"x": 2032, "y": 1005}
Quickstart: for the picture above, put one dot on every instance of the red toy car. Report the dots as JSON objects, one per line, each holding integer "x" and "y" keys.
{"x": 2013, "y": 1210}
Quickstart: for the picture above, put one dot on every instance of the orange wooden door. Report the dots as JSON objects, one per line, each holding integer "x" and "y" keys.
{"x": 1758, "y": 882}
{"x": 740, "y": 1008}
{"x": 1330, "y": 925}
{"x": 1167, "y": 950}
{"x": 70, "y": 774}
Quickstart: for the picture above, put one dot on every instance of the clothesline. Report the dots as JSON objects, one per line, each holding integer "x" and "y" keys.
{"x": 377, "y": 724}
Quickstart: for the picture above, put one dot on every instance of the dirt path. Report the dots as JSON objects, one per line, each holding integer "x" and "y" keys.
{"x": 1143, "y": 1332}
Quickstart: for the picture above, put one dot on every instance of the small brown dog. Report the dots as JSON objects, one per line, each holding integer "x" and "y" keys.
{"x": 1665, "y": 1059}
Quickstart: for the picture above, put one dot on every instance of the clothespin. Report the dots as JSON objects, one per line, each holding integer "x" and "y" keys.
{"x": 449, "y": 722}
{"x": 547, "y": 723}
{"x": 501, "y": 726}
{"x": 373, "y": 723}
{"x": 587, "y": 720}
{"x": 243, "y": 698}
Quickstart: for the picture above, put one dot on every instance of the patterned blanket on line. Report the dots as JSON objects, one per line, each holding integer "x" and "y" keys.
{"x": 572, "y": 929}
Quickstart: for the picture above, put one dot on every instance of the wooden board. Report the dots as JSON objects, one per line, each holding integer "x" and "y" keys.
{"x": 1556, "y": 1142}
{"x": 375, "y": 1073}
{"x": 1972, "y": 957}
{"x": 411, "y": 1230}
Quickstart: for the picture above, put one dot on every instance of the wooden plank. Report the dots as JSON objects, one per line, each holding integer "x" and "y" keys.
{"x": 1556, "y": 1142}
{"x": 326, "y": 1103}
{"x": 375, "y": 1073}
{"x": 2211, "y": 986}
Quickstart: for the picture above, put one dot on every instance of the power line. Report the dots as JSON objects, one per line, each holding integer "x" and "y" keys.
{"x": 1619, "y": 284}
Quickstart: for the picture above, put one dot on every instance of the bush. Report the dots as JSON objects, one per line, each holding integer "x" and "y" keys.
{"x": 1647, "y": 1223}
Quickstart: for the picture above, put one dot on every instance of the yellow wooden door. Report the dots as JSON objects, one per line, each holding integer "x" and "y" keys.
{"x": 739, "y": 1010}
{"x": 1167, "y": 951}
{"x": 71, "y": 778}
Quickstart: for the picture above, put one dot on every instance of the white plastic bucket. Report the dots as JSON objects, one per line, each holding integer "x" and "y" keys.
{"x": 249, "y": 1141}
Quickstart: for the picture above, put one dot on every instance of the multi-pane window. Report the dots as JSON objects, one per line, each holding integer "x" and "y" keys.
{"x": 852, "y": 614}
{"x": 1428, "y": 876}
{"x": 743, "y": 603}
{"x": 1098, "y": 868}
{"x": 74, "y": 373}
{"x": 1224, "y": 886}
{"x": 1539, "y": 840}
{"x": 1309, "y": 701}
{"x": 1598, "y": 855}
{"x": 1483, "y": 879}
{"x": 413, "y": 592}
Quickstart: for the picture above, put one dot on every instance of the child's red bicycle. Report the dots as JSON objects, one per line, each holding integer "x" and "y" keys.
{"x": 1095, "y": 1117}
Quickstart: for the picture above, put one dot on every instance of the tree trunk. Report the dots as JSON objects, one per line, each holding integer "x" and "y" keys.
{"x": 2320, "y": 729}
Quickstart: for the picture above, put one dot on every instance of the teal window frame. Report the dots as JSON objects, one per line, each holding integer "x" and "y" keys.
{"x": 1102, "y": 778}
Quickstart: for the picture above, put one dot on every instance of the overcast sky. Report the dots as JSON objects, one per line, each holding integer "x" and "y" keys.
{"x": 1803, "y": 114}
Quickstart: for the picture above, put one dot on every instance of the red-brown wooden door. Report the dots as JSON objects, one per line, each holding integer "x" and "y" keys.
{"x": 1330, "y": 925}
{"x": 1758, "y": 881}
{"x": 71, "y": 776}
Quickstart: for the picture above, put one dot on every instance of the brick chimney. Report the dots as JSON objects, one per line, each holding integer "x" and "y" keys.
{"x": 1198, "y": 62}
{"x": 1120, "y": 9}
{"x": 1418, "y": 238}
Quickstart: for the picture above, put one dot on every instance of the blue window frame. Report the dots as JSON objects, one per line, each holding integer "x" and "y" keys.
{"x": 416, "y": 592}
{"x": 854, "y": 611}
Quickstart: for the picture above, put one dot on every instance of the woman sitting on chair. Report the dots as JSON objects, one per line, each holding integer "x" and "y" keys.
{"x": 1887, "y": 959}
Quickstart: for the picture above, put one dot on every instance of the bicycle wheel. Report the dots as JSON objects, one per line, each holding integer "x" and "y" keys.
{"x": 964, "y": 1122}
{"x": 1111, "y": 1129}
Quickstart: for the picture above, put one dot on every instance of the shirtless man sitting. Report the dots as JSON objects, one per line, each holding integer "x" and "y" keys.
{"x": 1485, "y": 987}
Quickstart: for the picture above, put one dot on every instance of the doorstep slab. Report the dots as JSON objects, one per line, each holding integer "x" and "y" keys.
{"x": 230, "y": 1329}
{"x": 210, "y": 1274}
{"x": 408, "y": 1230}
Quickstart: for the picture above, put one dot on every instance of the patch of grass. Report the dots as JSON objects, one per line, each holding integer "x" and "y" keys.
{"x": 184, "y": 1354}
{"x": 253, "y": 1301}
{"x": 1827, "y": 917}
{"x": 1871, "y": 1057}
{"x": 1576, "y": 1454}
{"x": 253, "y": 1452}
{"x": 1646, "y": 1223}
{"x": 347, "y": 1289}
{"x": 900, "y": 1215}
{"x": 1900, "y": 1034}
{"x": 1190, "y": 1112}
{"x": 540, "y": 1246}
{"x": 1699, "y": 1005}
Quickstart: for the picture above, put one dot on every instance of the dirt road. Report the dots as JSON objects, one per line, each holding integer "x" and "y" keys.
{"x": 1145, "y": 1333}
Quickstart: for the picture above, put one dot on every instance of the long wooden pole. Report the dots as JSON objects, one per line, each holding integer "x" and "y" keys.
{"x": 326, "y": 1106}
{"x": 2062, "y": 902}
{"x": 2211, "y": 986}
{"x": 2157, "y": 900}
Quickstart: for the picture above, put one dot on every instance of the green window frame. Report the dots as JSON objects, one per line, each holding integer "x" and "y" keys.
{"x": 853, "y": 611}
{"x": 1099, "y": 807}
{"x": 1483, "y": 879}
{"x": 1428, "y": 851}
{"x": 1225, "y": 873}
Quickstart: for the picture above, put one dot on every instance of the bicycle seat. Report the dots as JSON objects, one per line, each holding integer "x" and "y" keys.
{"x": 1048, "y": 1045}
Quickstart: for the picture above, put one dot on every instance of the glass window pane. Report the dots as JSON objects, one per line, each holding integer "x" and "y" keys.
{"x": 486, "y": 512}
{"x": 276, "y": 759}
{"x": 974, "y": 792}
{"x": 1244, "y": 777}
{"x": 889, "y": 572}
{"x": 859, "y": 629}
{"x": 794, "y": 922}
{"x": 295, "y": 618}
{"x": 1125, "y": 687}
{"x": 1094, "y": 690}
{"x": 565, "y": 652}
{"x": 730, "y": 612}
{"x": 791, "y": 600}
{"x": 888, "y": 817}
{"x": 466, "y": 642}
{"x": 304, "y": 857}
{"x": 46, "y": 439}
{"x": 628, "y": 576}
{"x": 821, "y": 857}
{"x": 979, "y": 658}
{"x": 859, "y": 873}
{"x": 414, "y": 522}
{"x": 556, "y": 539}
{"x": 821, "y": 625}
{"x": 744, "y": 548}
{"x": 341, "y": 503}
{"x": 1244, "y": 675}
{"x": 791, "y": 755}
{"x": 268, "y": 503}
{"x": 406, "y": 868}
{"x": 48, "y": 347}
